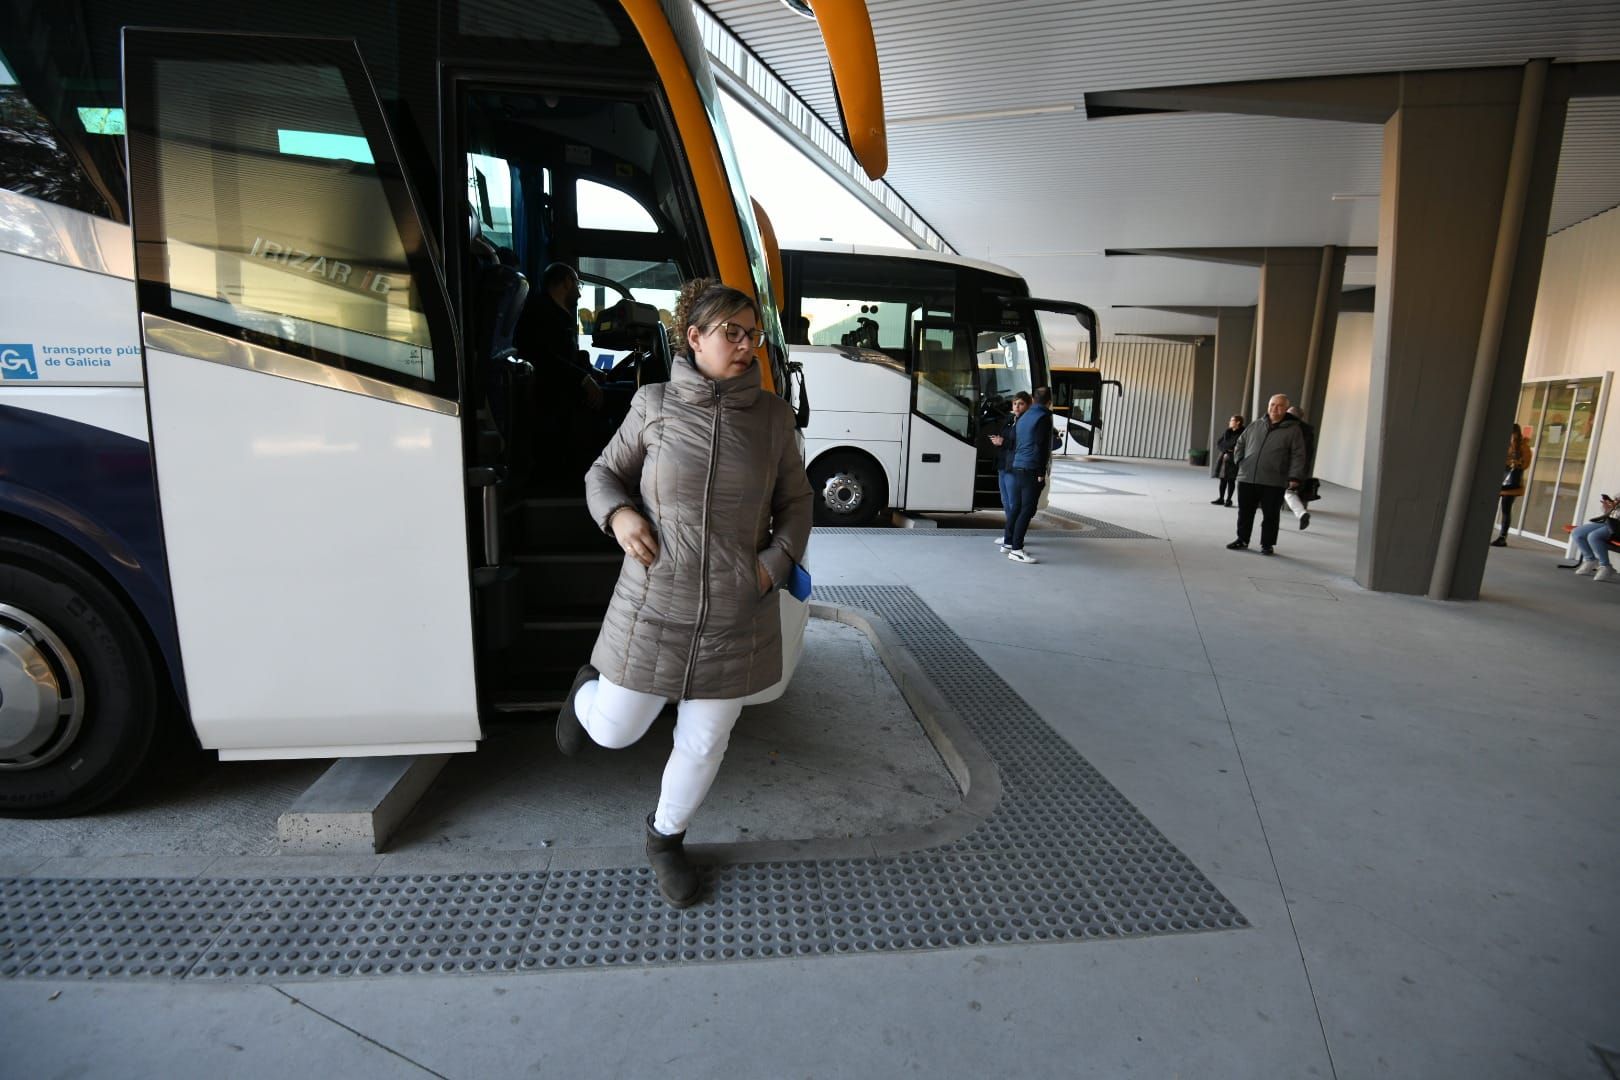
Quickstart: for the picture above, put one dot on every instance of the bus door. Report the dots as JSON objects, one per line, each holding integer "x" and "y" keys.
{"x": 1076, "y": 391}
{"x": 943, "y": 424}
{"x": 1075, "y": 399}
{"x": 301, "y": 378}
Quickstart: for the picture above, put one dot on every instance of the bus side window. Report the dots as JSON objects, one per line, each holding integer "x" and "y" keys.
{"x": 33, "y": 159}
{"x": 277, "y": 223}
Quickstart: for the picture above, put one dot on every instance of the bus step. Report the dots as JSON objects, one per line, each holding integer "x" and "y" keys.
{"x": 528, "y": 701}
{"x": 553, "y": 582}
{"x": 561, "y": 526}
{"x": 561, "y": 642}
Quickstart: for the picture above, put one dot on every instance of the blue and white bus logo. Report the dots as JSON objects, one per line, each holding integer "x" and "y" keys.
{"x": 17, "y": 362}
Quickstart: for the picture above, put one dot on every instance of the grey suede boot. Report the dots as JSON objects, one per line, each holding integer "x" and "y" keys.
{"x": 677, "y": 880}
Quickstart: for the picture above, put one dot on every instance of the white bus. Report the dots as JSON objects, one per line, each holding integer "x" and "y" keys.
{"x": 911, "y": 359}
{"x": 272, "y": 475}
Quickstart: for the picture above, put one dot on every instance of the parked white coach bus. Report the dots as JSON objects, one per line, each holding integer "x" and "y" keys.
{"x": 273, "y": 478}
{"x": 911, "y": 359}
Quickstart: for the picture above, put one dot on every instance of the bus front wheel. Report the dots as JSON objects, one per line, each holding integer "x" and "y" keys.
{"x": 849, "y": 489}
{"x": 78, "y": 700}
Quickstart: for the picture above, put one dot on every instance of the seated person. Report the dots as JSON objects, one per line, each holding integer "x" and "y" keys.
{"x": 1592, "y": 541}
{"x": 548, "y": 337}
{"x": 799, "y": 330}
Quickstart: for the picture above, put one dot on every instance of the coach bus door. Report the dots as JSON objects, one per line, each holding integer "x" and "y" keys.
{"x": 301, "y": 377}
{"x": 940, "y": 450}
{"x": 1076, "y": 391}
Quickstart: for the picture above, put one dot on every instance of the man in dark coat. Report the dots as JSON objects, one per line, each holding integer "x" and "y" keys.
{"x": 1271, "y": 459}
{"x": 1032, "y": 456}
{"x": 547, "y": 336}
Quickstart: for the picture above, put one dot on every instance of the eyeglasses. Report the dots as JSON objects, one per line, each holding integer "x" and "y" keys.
{"x": 736, "y": 333}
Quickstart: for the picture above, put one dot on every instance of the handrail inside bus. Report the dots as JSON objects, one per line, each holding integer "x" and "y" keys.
{"x": 846, "y": 30}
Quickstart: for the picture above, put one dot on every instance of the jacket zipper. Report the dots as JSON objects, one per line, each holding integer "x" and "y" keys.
{"x": 703, "y": 582}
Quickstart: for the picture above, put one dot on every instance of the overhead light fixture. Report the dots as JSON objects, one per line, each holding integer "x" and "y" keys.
{"x": 1351, "y": 196}
{"x": 799, "y": 7}
{"x": 985, "y": 114}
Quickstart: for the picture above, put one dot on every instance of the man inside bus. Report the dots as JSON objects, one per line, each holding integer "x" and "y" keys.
{"x": 565, "y": 386}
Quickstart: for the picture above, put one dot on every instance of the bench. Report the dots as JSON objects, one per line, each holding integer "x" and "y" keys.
{"x": 1613, "y": 543}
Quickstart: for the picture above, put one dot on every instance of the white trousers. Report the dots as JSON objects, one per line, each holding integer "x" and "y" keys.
{"x": 615, "y": 717}
{"x": 1295, "y": 503}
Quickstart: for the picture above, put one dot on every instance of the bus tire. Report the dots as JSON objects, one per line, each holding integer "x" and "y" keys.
{"x": 64, "y": 630}
{"x": 849, "y": 489}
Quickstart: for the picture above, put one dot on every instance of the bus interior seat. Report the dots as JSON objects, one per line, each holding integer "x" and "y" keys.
{"x": 799, "y": 330}
{"x": 629, "y": 326}
{"x": 499, "y": 291}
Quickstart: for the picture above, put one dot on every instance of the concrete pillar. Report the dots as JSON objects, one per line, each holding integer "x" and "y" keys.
{"x": 1288, "y": 288}
{"x": 1503, "y": 406}
{"x": 1445, "y": 163}
{"x": 1198, "y": 429}
{"x": 1233, "y": 329}
{"x": 1324, "y": 327}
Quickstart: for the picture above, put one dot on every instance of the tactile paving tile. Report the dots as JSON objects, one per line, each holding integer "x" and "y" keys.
{"x": 615, "y": 917}
{"x": 1058, "y": 816}
{"x": 430, "y": 923}
{"x": 1063, "y": 857}
{"x": 85, "y": 928}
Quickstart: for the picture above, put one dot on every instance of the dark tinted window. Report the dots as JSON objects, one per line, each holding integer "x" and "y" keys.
{"x": 276, "y": 209}
{"x": 33, "y": 160}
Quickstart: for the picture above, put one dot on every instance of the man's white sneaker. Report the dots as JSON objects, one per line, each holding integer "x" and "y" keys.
{"x": 1004, "y": 548}
{"x": 1604, "y": 573}
{"x": 1020, "y": 555}
{"x": 1588, "y": 566}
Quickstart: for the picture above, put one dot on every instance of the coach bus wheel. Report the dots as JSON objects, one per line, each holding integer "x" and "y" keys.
{"x": 849, "y": 490}
{"x": 78, "y": 706}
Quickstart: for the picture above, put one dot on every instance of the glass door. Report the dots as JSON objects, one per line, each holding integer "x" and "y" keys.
{"x": 1560, "y": 418}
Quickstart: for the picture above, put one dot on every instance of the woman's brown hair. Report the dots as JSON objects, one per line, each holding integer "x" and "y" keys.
{"x": 704, "y": 301}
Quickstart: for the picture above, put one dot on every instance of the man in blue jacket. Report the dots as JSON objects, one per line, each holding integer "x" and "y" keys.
{"x": 1032, "y": 455}
{"x": 1006, "y": 442}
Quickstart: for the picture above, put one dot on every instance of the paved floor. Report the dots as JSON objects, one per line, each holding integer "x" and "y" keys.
{"x": 839, "y": 755}
{"x": 1414, "y": 805}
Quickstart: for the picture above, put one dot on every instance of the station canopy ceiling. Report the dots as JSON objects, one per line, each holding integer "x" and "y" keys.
{"x": 989, "y": 139}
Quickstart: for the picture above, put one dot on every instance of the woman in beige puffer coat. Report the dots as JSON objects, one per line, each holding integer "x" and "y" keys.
{"x": 704, "y": 488}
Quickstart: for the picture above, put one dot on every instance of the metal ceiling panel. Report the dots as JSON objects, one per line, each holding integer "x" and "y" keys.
{"x": 1046, "y": 193}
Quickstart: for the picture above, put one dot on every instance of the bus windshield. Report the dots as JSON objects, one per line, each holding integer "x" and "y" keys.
{"x": 1006, "y": 359}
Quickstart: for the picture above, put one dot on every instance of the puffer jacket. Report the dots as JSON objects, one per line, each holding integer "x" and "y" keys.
{"x": 1272, "y": 454}
{"x": 716, "y": 468}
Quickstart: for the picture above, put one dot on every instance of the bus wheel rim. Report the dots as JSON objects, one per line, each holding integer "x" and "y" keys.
{"x": 843, "y": 493}
{"x": 41, "y": 692}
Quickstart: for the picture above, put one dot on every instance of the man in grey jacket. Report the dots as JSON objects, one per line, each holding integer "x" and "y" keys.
{"x": 1271, "y": 459}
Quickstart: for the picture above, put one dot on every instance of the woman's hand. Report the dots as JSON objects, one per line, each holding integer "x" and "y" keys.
{"x": 634, "y": 535}
{"x": 764, "y": 576}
